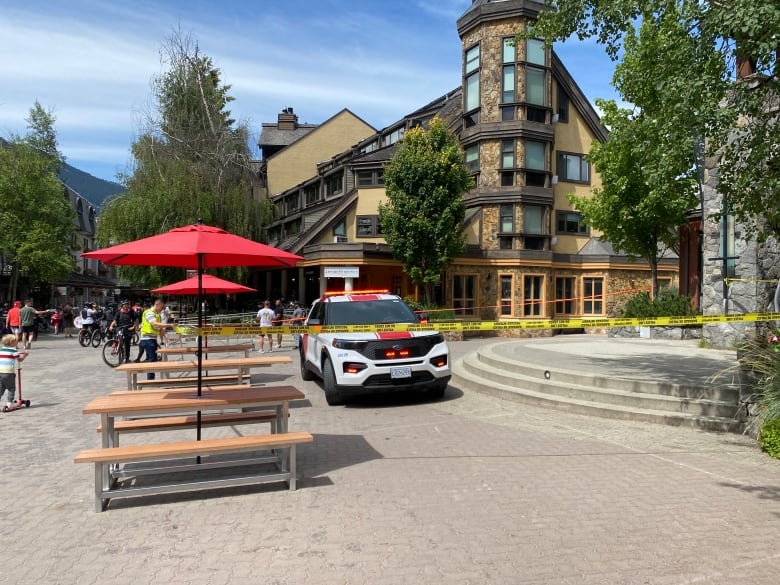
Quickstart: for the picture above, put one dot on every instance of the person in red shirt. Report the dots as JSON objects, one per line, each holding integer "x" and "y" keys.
{"x": 13, "y": 320}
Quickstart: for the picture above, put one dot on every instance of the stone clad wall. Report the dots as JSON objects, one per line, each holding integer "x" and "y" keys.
{"x": 757, "y": 268}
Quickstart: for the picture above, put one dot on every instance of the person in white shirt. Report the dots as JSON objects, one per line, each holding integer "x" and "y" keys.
{"x": 265, "y": 317}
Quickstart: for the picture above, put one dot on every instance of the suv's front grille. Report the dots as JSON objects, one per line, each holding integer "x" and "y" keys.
{"x": 417, "y": 346}
{"x": 386, "y": 380}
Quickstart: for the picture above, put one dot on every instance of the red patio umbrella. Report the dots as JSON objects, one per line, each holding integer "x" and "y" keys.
{"x": 198, "y": 247}
{"x": 210, "y": 284}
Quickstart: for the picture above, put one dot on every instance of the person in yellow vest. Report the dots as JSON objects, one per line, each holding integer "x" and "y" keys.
{"x": 151, "y": 327}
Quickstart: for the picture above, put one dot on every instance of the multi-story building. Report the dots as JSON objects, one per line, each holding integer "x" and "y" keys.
{"x": 525, "y": 128}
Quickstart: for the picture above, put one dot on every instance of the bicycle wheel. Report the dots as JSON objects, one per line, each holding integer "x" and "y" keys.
{"x": 113, "y": 353}
{"x": 84, "y": 337}
{"x": 97, "y": 338}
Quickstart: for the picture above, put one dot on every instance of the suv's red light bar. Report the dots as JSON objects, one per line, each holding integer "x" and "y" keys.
{"x": 379, "y": 291}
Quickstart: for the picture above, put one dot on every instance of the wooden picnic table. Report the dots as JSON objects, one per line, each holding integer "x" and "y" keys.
{"x": 240, "y": 364}
{"x": 108, "y": 459}
{"x": 192, "y": 350}
{"x": 111, "y": 406}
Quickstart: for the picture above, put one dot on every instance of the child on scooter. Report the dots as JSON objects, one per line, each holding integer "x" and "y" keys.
{"x": 9, "y": 355}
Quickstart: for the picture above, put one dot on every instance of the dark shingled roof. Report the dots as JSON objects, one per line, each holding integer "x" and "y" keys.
{"x": 270, "y": 135}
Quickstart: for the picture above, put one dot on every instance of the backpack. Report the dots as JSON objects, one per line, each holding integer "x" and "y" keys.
{"x": 84, "y": 313}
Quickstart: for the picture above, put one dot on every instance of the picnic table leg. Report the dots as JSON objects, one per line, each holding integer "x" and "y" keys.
{"x": 291, "y": 466}
{"x": 101, "y": 484}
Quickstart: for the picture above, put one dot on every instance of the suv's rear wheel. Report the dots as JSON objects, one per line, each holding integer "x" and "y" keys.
{"x": 306, "y": 374}
{"x": 332, "y": 394}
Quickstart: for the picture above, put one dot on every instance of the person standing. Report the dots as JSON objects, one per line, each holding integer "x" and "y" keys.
{"x": 165, "y": 317}
{"x": 12, "y": 320}
{"x": 56, "y": 320}
{"x": 265, "y": 317}
{"x": 9, "y": 355}
{"x": 3, "y": 317}
{"x": 278, "y": 321}
{"x": 151, "y": 326}
{"x": 297, "y": 319}
{"x": 67, "y": 320}
{"x": 124, "y": 319}
{"x": 27, "y": 316}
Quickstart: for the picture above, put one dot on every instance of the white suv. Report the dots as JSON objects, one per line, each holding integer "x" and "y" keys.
{"x": 372, "y": 362}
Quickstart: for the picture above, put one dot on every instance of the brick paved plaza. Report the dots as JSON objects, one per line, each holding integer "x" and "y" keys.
{"x": 470, "y": 490}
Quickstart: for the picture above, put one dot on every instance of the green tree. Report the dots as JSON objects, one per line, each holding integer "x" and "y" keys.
{"x": 422, "y": 220}
{"x": 191, "y": 161}
{"x": 35, "y": 214}
{"x": 692, "y": 58}
{"x": 639, "y": 206}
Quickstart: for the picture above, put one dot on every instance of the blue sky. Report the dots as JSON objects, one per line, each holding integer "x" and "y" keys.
{"x": 91, "y": 62}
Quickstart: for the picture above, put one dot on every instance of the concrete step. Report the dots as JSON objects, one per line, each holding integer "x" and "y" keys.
{"x": 537, "y": 364}
{"x": 556, "y": 387}
{"x": 542, "y": 379}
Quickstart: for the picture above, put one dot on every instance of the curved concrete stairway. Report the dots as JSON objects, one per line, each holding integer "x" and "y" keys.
{"x": 546, "y": 378}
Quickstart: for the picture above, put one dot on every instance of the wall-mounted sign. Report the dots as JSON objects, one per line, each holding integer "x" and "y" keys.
{"x": 342, "y": 272}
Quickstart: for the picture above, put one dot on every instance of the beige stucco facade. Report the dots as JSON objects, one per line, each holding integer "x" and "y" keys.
{"x": 298, "y": 162}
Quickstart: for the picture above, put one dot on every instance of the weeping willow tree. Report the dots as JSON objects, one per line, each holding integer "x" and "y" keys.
{"x": 191, "y": 161}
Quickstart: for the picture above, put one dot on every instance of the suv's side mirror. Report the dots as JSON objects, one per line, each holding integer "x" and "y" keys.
{"x": 422, "y": 317}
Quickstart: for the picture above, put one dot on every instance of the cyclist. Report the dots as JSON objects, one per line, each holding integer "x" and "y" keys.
{"x": 124, "y": 320}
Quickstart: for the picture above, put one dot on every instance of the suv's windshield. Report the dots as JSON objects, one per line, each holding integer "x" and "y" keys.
{"x": 369, "y": 312}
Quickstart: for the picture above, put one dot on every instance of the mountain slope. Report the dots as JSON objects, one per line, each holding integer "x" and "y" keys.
{"x": 95, "y": 190}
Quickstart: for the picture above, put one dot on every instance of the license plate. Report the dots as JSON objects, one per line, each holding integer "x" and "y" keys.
{"x": 401, "y": 372}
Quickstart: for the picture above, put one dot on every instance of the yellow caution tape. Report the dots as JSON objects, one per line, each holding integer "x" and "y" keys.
{"x": 529, "y": 324}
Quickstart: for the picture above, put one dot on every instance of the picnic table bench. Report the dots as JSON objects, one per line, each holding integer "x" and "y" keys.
{"x": 241, "y": 365}
{"x": 244, "y": 348}
{"x": 274, "y": 404}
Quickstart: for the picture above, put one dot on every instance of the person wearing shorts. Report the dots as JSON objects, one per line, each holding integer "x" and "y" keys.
{"x": 9, "y": 355}
{"x": 13, "y": 320}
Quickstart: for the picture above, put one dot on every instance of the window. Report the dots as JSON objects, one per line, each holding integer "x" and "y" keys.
{"x": 563, "y": 105}
{"x": 471, "y": 84}
{"x": 535, "y": 165}
{"x": 464, "y": 297}
{"x": 506, "y": 294}
{"x": 371, "y": 178}
{"x": 472, "y": 158}
{"x": 534, "y": 52}
{"x": 534, "y": 232}
{"x": 506, "y": 214}
{"x": 535, "y": 93}
{"x": 564, "y": 296}
{"x": 508, "y": 53}
{"x": 472, "y": 59}
{"x": 334, "y": 184}
{"x": 532, "y": 295}
{"x": 368, "y": 226}
{"x": 571, "y": 222}
{"x": 472, "y": 92}
{"x": 291, "y": 202}
{"x": 312, "y": 194}
{"x": 573, "y": 168}
{"x": 508, "y": 84}
{"x": 507, "y": 163}
{"x": 593, "y": 293}
{"x": 506, "y": 225}
{"x": 507, "y": 154}
{"x": 395, "y": 136}
{"x": 340, "y": 229}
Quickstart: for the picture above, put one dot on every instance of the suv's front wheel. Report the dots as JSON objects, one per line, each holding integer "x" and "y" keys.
{"x": 436, "y": 390}
{"x": 332, "y": 394}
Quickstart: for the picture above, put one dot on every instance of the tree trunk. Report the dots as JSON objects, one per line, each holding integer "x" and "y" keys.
{"x": 653, "y": 277}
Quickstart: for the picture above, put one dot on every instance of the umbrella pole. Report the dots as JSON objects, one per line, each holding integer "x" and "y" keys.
{"x": 200, "y": 338}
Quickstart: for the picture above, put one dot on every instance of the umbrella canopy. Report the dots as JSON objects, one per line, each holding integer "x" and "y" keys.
{"x": 209, "y": 285}
{"x": 184, "y": 246}
{"x": 196, "y": 246}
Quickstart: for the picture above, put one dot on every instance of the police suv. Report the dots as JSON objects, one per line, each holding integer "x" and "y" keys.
{"x": 356, "y": 363}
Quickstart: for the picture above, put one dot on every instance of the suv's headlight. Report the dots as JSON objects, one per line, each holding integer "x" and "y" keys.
{"x": 349, "y": 344}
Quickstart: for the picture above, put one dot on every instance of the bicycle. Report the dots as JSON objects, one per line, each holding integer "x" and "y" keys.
{"x": 114, "y": 350}
{"x": 90, "y": 335}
